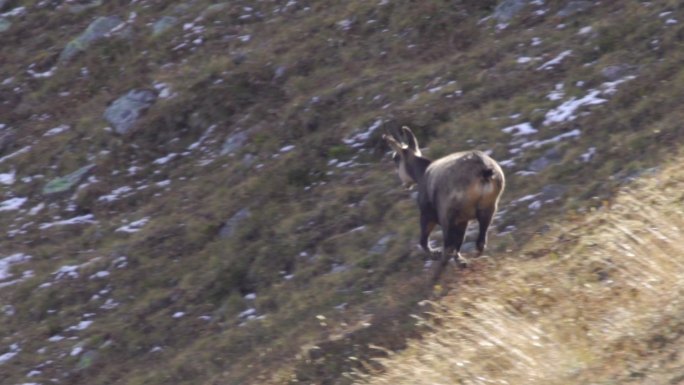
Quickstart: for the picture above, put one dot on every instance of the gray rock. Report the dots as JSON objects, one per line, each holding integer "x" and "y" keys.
{"x": 4, "y": 24}
{"x": 574, "y": 7}
{"x": 8, "y": 137}
{"x": 125, "y": 111}
{"x": 97, "y": 30}
{"x": 552, "y": 192}
{"x": 164, "y": 24}
{"x": 3, "y": 5}
{"x": 215, "y": 8}
{"x": 380, "y": 246}
{"x": 550, "y": 157}
{"x": 234, "y": 142}
{"x": 508, "y": 9}
{"x": 614, "y": 72}
{"x": 230, "y": 227}
{"x": 78, "y": 8}
{"x": 67, "y": 182}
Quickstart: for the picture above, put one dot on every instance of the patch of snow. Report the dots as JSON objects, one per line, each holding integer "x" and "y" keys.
{"x": 116, "y": 194}
{"x": 133, "y": 226}
{"x": 13, "y": 351}
{"x": 57, "y": 130}
{"x": 109, "y": 304}
{"x": 536, "y": 41}
{"x": 7, "y": 262}
{"x": 587, "y": 156}
{"x": 359, "y": 139}
{"x": 12, "y": 204}
{"x": 610, "y": 88}
{"x": 76, "y": 351}
{"x": 18, "y": 11}
{"x": 345, "y": 24}
{"x": 100, "y": 274}
{"x": 555, "y": 61}
{"x": 178, "y": 314}
{"x": 538, "y": 143}
{"x": 8, "y": 178}
{"x": 287, "y": 148}
{"x": 525, "y": 59}
{"x": 83, "y": 219}
{"x": 42, "y": 75}
{"x": 245, "y": 38}
{"x": 247, "y": 313}
{"x": 68, "y": 271}
{"x": 165, "y": 159}
{"x": 36, "y": 209}
{"x": 250, "y": 296}
{"x": 56, "y": 338}
{"x": 520, "y": 129}
{"x": 16, "y": 153}
{"x": 557, "y": 93}
{"x": 585, "y": 30}
{"x": 81, "y": 326}
{"x": 536, "y": 205}
{"x": 566, "y": 111}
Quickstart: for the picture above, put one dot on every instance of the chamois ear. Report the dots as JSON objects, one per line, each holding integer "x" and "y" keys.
{"x": 410, "y": 139}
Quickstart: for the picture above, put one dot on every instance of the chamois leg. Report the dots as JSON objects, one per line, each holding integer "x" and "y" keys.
{"x": 427, "y": 223}
{"x": 484, "y": 217}
{"x": 453, "y": 242}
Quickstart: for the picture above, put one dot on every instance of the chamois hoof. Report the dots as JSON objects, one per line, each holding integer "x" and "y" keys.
{"x": 435, "y": 254}
{"x": 461, "y": 261}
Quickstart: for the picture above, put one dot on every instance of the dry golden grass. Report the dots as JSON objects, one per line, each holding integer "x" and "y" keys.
{"x": 597, "y": 300}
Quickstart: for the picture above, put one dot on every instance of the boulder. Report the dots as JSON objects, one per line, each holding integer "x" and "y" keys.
{"x": 4, "y": 24}
{"x": 8, "y": 137}
{"x": 231, "y": 225}
{"x": 124, "y": 112}
{"x": 574, "y": 7}
{"x": 97, "y": 30}
{"x": 67, "y": 182}
{"x": 234, "y": 142}
{"x": 508, "y": 9}
{"x": 164, "y": 24}
{"x": 550, "y": 157}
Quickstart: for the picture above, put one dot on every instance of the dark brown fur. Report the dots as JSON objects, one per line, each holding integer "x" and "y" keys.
{"x": 451, "y": 191}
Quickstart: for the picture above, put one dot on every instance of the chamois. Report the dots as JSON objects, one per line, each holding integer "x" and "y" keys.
{"x": 451, "y": 191}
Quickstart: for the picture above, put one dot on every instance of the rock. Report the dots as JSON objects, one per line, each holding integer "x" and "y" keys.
{"x": 4, "y": 24}
{"x": 508, "y": 9}
{"x": 215, "y": 8}
{"x": 615, "y": 72}
{"x": 552, "y": 192}
{"x": 125, "y": 111}
{"x": 231, "y": 225}
{"x": 550, "y": 157}
{"x": 164, "y": 24}
{"x": 3, "y": 5}
{"x": 234, "y": 142}
{"x": 67, "y": 182}
{"x": 8, "y": 137}
{"x": 97, "y": 30}
{"x": 574, "y": 7}
{"x": 380, "y": 246}
{"x": 78, "y": 8}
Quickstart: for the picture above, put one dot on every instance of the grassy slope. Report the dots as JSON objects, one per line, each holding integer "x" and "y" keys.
{"x": 389, "y": 64}
{"x": 596, "y": 300}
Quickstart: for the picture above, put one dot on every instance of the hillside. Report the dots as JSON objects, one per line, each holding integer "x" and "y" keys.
{"x": 197, "y": 192}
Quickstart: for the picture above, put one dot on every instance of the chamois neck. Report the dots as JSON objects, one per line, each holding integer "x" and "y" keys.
{"x": 417, "y": 168}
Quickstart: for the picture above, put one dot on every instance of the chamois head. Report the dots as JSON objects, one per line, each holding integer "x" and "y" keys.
{"x": 407, "y": 156}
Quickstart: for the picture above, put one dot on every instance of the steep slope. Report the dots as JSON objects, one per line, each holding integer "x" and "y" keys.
{"x": 196, "y": 192}
{"x": 596, "y": 300}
